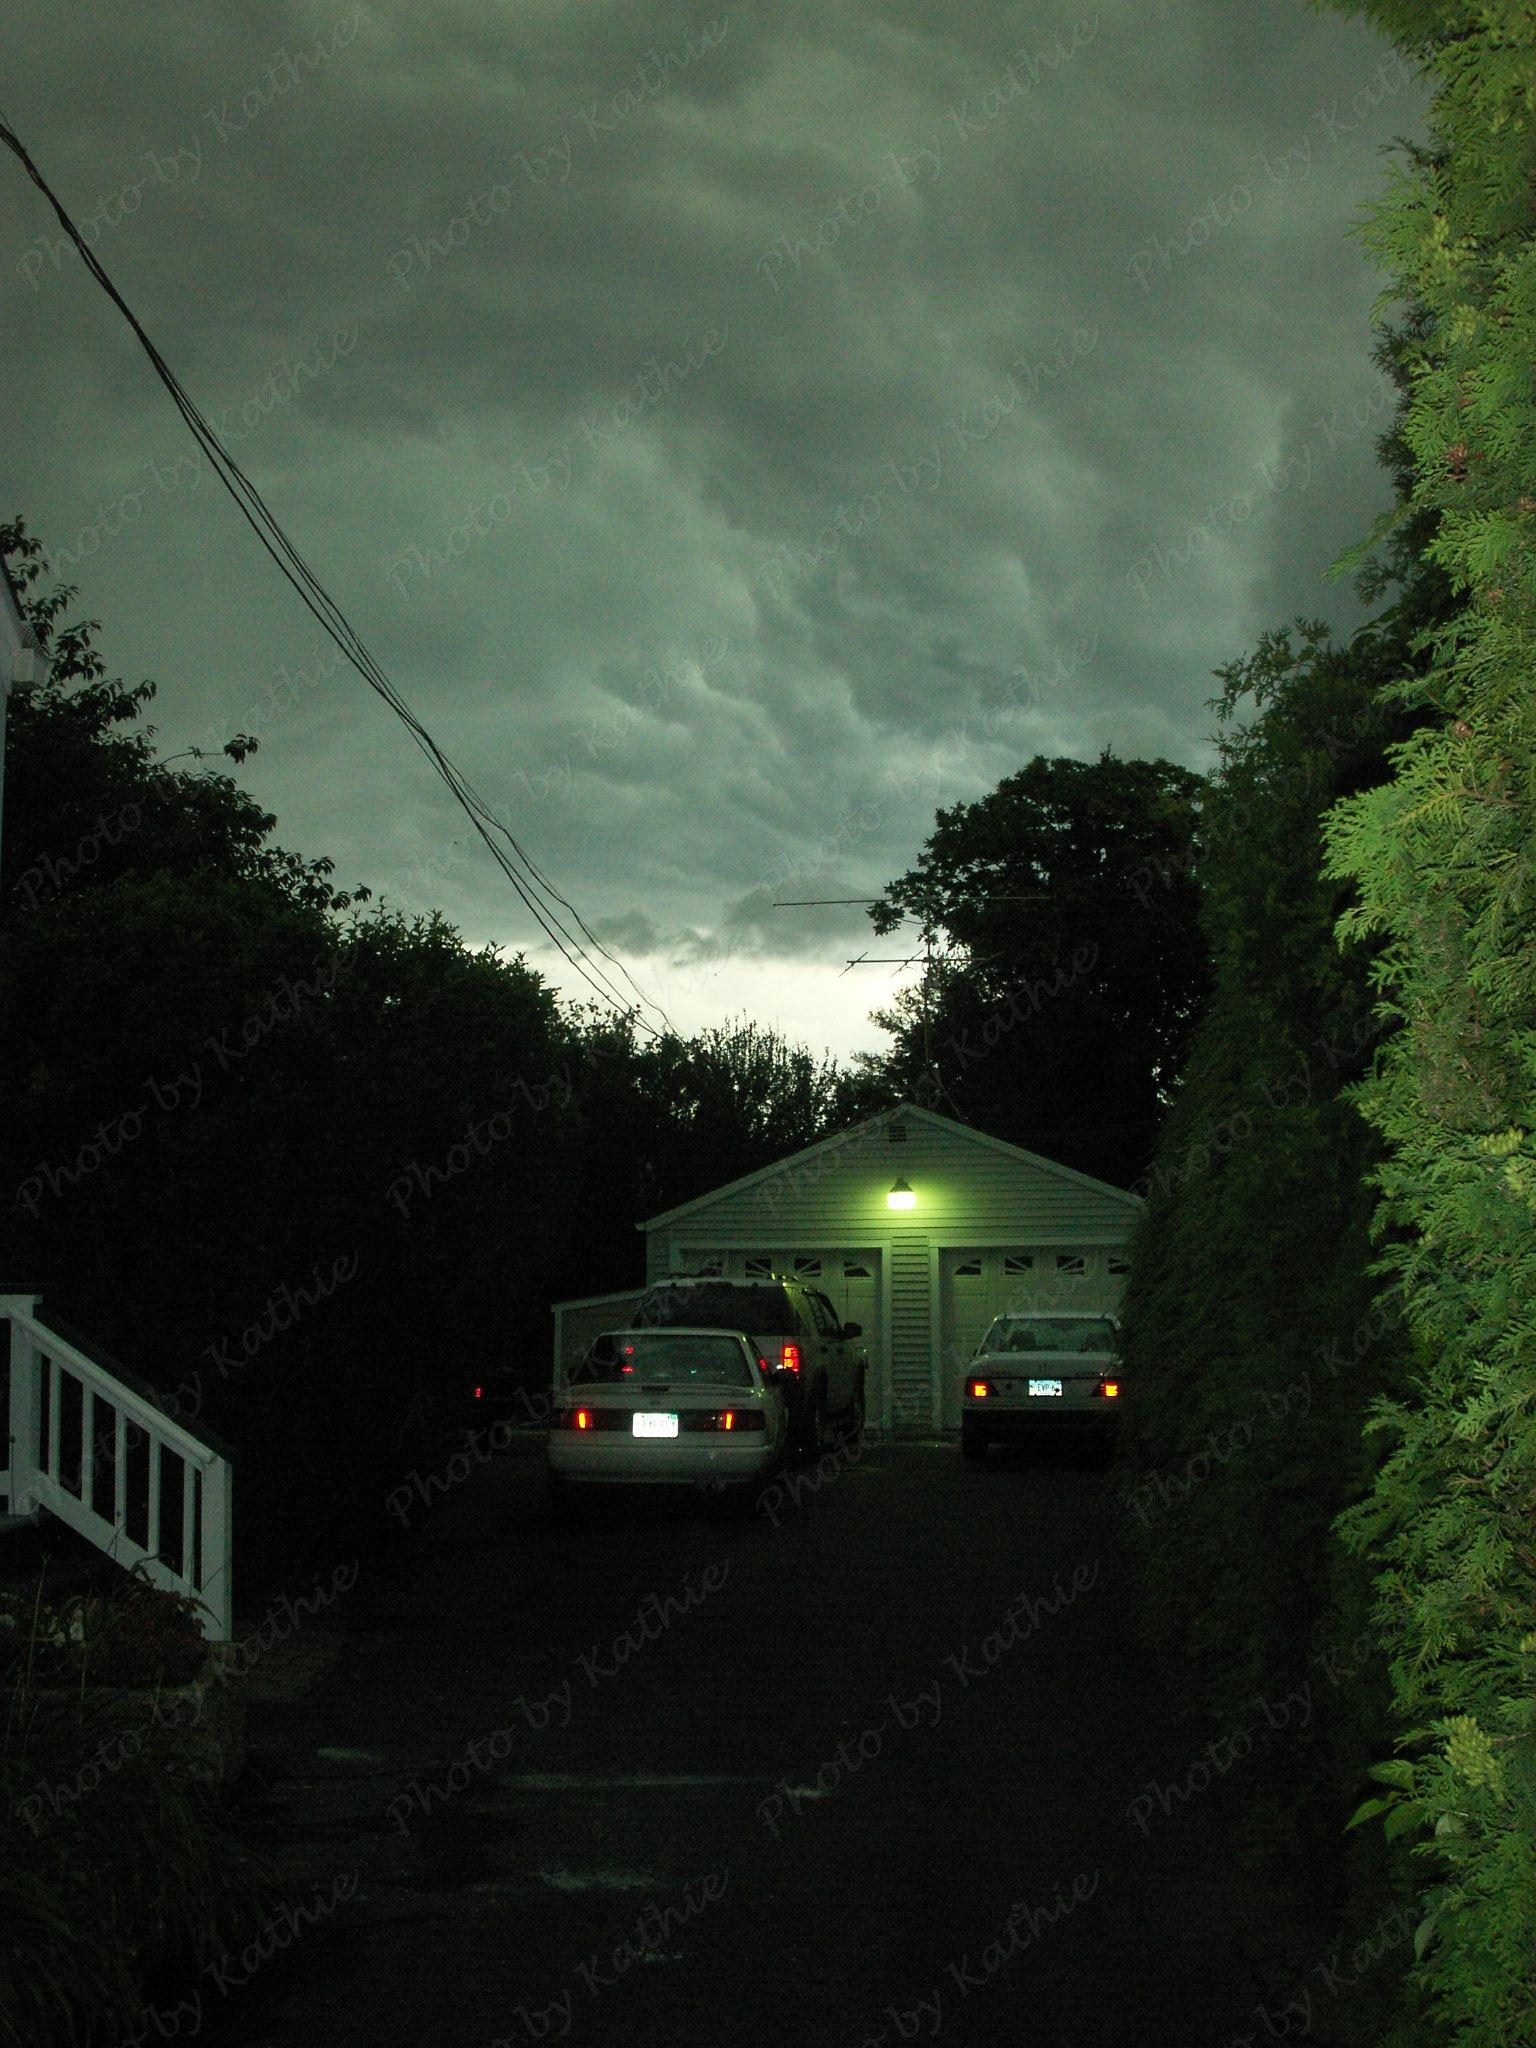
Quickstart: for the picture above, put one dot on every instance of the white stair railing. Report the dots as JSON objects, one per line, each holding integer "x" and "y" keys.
{"x": 111, "y": 1464}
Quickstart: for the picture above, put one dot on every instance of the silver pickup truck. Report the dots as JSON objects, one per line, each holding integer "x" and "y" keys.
{"x": 797, "y": 1335}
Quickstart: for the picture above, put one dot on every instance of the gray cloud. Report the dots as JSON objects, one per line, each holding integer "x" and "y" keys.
{"x": 738, "y": 432}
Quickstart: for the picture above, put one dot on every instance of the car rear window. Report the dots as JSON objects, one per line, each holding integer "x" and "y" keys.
{"x": 721, "y": 1305}
{"x": 1048, "y": 1333}
{"x": 643, "y": 1357}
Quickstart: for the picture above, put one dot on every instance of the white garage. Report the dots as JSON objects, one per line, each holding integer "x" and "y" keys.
{"x": 919, "y": 1229}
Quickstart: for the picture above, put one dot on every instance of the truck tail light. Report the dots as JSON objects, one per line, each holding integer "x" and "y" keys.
{"x": 1110, "y": 1389}
{"x": 789, "y": 1358}
{"x": 978, "y": 1389}
{"x": 583, "y": 1418}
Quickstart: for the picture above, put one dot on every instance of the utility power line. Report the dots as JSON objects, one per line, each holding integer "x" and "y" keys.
{"x": 538, "y": 893}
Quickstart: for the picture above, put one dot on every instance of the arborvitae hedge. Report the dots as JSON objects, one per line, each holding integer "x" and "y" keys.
{"x": 1250, "y": 1317}
{"x": 1444, "y": 861}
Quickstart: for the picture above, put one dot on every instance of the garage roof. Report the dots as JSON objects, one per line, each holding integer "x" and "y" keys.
{"x": 906, "y": 1113}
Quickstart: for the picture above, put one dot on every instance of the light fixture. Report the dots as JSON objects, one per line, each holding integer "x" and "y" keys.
{"x": 900, "y": 1197}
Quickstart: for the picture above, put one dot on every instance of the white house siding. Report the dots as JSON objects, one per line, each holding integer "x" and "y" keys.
{"x": 972, "y": 1196}
{"x": 911, "y": 1349}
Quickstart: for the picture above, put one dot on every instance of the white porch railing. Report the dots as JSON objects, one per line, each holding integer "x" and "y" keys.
{"x": 113, "y": 1465}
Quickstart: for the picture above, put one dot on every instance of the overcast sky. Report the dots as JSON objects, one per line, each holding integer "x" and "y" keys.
{"x": 738, "y": 431}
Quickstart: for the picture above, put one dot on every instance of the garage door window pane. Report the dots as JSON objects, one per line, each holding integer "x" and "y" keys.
{"x": 1018, "y": 1262}
{"x": 757, "y": 1266}
{"x": 969, "y": 1269}
{"x": 1118, "y": 1265}
{"x": 1072, "y": 1265}
{"x": 808, "y": 1269}
{"x": 711, "y": 1263}
{"x": 855, "y": 1269}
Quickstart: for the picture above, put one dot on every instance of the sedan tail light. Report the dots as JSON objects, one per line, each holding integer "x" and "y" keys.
{"x": 591, "y": 1418}
{"x": 978, "y": 1389}
{"x": 1110, "y": 1389}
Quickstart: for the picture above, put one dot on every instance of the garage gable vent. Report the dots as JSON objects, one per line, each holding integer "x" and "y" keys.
{"x": 896, "y": 1133}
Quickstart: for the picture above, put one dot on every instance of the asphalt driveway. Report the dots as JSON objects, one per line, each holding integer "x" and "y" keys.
{"x": 877, "y": 1762}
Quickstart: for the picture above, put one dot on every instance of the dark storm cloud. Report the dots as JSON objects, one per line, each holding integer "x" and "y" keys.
{"x": 738, "y": 431}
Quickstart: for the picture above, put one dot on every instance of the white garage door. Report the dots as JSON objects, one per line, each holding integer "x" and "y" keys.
{"x": 976, "y": 1285}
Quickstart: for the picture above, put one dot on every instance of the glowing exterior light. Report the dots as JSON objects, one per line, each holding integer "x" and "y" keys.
{"x": 901, "y": 1197}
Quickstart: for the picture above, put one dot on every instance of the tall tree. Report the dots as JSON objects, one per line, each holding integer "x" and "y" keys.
{"x": 1073, "y": 968}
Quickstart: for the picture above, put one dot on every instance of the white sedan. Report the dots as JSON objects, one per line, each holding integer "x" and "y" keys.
{"x": 1040, "y": 1374}
{"x": 678, "y": 1406}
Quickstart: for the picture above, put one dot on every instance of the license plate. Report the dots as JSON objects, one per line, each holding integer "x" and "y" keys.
{"x": 1045, "y": 1386}
{"x": 654, "y": 1425}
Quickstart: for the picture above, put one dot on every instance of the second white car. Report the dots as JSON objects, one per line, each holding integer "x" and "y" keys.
{"x": 672, "y": 1407}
